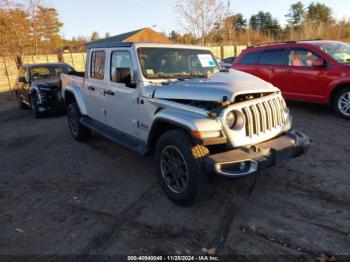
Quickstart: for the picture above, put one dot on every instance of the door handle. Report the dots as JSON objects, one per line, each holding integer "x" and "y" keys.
{"x": 109, "y": 92}
{"x": 91, "y": 88}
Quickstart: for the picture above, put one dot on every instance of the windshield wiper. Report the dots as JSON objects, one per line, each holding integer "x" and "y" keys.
{"x": 164, "y": 76}
{"x": 194, "y": 75}
{"x": 181, "y": 77}
{"x": 191, "y": 75}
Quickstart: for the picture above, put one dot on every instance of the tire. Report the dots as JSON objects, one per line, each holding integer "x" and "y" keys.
{"x": 341, "y": 102}
{"x": 78, "y": 131}
{"x": 34, "y": 107}
{"x": 192, "y": 181}
{"x": 21, "y": 105}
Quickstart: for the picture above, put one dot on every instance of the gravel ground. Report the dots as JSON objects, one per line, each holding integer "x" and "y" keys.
{"x": 61, "y": 197}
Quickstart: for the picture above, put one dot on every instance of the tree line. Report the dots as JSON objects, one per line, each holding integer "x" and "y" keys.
{"x": 212, "y": 22}
{"x": 31, "y": 27}
{"x": 28, "y": 28}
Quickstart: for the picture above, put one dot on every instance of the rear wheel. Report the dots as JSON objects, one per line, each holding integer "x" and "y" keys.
{"x": 78, "y": 131}
{"x": 342, "y": 102}
{"x": 180, "y": 167}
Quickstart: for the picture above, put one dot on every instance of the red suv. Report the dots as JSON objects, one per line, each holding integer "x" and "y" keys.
{"x": 312, "y": 71}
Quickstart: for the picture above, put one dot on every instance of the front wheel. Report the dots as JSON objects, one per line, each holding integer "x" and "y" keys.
{"x": 34, "y": 106}
{"x": 180, "y": 167}
{"x": 342, "y": 103}
{"x": 78, "y": 131}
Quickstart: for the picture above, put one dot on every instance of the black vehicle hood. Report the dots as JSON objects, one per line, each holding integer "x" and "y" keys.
{"x": 49, "y": 85}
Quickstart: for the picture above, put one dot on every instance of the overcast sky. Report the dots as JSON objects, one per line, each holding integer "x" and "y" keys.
{"x": 81, "y": 17}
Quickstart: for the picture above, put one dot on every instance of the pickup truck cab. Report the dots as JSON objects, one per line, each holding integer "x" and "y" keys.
{"x": 176, "y": 102}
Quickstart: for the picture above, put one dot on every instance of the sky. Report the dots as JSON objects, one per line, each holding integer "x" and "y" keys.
{"x": 82, "y": 17}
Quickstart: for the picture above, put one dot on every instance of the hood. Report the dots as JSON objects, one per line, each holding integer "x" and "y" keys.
{"x": 49, "y": 85}
{"x": 215, "y": 88}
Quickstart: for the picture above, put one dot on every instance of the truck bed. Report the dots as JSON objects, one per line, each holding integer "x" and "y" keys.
{"x": 76, "y": 79}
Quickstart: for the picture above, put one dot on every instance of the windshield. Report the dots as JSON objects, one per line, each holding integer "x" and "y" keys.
{"x": 48, "y": 72}
{"x": 166, "y": 63}
{"x": 339, "y": 51}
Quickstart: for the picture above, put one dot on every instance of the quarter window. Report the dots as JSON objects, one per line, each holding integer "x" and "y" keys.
{"x": 301, "y": 57}
{"x": 98, "y": 59}
{"x": 273, "y": 57}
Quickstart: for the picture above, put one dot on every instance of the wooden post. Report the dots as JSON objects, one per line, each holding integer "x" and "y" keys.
{"x": 71, "y": 56}
{"x": 222, "y": 52}
{"x": 7, "y": 73}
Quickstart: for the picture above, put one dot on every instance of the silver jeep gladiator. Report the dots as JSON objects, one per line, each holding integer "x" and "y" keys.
{"x": 176, "y": 102}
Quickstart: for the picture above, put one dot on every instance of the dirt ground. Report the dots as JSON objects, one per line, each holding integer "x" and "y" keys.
{"x": 61, "y": 197}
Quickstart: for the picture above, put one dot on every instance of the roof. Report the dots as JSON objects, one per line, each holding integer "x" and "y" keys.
{"x": 301, "y": 42}
{"x": 108, "y": 44}
{"x": 127, "y": 39}
{"x": 149, "y": 45}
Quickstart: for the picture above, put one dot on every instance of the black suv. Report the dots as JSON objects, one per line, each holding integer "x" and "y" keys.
{"x": 38, "y": 87}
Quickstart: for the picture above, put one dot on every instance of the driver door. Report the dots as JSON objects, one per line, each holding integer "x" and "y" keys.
{"x": 306, "y": 82}
{"x": 122, "y": 99}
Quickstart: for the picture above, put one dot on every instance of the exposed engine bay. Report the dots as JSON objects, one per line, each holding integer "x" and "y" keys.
{"x": 214, "y": 108}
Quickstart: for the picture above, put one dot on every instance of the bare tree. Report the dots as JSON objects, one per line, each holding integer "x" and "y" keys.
{"x": 199, "y": 17}
{"x": 33, "y": 7}
{"x": 14, "y": 25}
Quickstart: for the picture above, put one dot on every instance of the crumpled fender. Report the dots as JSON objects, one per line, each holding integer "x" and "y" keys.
{"x": 188, "y": 120}
{"x": 33, "y": 89}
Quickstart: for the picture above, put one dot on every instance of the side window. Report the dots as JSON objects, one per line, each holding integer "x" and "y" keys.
{"x": 97, "y": 67}
{"x": 301, "y": 57}
{"x": 273, "y": 57}
{"x": 121, "y": 67}
{"x": 250, "y": 58}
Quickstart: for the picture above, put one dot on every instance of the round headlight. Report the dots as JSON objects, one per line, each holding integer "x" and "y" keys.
{"x": 230, "y": 119}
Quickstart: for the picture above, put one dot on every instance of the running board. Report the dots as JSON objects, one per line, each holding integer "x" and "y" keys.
{"x": 114, "y": 135}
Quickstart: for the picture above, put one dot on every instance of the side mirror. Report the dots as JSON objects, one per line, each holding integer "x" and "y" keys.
{"x": 125, "y": 76}
{"x": 22, "y": 79}
{"x": 318, "y": 62}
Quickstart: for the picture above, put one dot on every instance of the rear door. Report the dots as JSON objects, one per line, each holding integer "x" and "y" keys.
{"x": 273, "y": 66}
{"x": 248, "y": 63}
{"x": 95, "y": 85}
{"x": 305, "y": 82}
{"x": 122, "y": 99}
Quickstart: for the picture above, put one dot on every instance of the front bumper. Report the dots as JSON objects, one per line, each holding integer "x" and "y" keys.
{"x": 248, "y": 161}
{"x": 50, "y": 102}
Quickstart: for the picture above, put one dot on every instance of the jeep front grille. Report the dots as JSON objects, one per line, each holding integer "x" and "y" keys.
{"x": 264, "y": 116}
